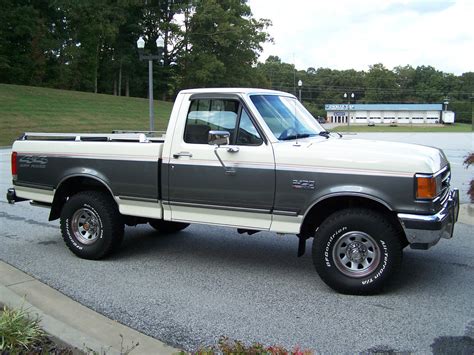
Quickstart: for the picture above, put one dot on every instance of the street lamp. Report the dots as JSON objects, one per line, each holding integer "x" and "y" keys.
{"x": 300, "y": 84}
{"x": 160, "y": 44}
{"x": 349, "y": 97}
{"x": 446, "y": 103}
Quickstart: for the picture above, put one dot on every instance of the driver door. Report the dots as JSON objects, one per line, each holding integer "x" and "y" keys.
{"x": 201, "y": 190}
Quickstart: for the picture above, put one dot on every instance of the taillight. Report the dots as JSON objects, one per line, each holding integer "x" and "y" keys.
{"x": 14, "y": 165}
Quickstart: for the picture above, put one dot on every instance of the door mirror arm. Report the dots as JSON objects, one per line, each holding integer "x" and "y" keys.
{"x": 218, "y": 138}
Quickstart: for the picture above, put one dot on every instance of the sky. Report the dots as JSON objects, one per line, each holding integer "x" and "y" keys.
{"x": 353, "y": 34}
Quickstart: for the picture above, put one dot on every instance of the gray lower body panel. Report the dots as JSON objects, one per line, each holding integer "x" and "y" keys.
{"x": 138, "y": 179}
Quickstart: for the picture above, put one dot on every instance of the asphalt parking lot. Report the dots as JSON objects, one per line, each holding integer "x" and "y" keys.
{"x": 190, "y": 288}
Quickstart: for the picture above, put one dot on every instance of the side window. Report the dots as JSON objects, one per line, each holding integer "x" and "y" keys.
{"x": 247, "y": 134}
{"x": 205, "y": 115}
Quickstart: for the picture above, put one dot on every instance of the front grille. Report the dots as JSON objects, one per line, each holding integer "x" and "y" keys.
{"x": 444, "y": 181}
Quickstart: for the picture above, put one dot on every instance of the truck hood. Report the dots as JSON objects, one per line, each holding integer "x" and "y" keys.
{"x": 366, "y": 156}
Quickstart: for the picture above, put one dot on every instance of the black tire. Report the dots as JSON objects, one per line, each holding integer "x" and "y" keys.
{"x": 91, "y": 225}
{"x": 356, "y": 251}
{"x": 167, "y": 226}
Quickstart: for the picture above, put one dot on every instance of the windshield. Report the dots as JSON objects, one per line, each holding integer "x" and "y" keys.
{"x": 286, "y": 117}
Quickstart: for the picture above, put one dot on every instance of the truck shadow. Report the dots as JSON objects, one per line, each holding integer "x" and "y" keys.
{"x": 212, "y": 248}
{"x": 222, "y": 247}
{"x": 429, "y": 271}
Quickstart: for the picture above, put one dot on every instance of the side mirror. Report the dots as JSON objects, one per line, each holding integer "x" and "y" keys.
{"x": 218, "y": 138}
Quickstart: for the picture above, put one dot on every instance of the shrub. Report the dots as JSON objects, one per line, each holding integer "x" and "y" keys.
{"x": 235, "y": 347}
{"x": 18, "y": 331}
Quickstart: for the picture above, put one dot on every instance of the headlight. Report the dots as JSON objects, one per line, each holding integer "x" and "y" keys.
{"x": 425, "y": 187}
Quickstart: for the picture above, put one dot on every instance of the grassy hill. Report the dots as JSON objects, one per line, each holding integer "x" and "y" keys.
{"x": 26, "y": 108}
{"x": 33, "y": 109}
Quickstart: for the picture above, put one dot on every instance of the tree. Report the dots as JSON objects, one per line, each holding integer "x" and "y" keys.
{"x": 405, "y": 79}
{"x": 429, "y": 84}
{"x": 92, "y": 26}
{"x": 381, "y": 84}
{"x": 225, "y": 43}
{"x": 28, "y": 41}
{"x": 279, "y": 75}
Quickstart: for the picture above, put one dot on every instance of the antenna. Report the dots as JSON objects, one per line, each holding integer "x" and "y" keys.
{"x": 294, "y": 92}
{"x": 296, "y": 129}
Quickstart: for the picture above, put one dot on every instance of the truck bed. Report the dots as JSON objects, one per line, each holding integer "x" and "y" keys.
{"x": 128, "y": 163}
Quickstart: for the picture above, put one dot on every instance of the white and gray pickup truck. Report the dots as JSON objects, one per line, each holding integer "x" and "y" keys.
{"x": 251, "y": 159}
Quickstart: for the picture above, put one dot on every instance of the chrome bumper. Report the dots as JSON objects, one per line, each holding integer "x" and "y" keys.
{"x": 423, "y": 231}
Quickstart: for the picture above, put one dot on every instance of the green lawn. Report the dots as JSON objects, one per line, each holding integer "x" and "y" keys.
{"x": 457, "y": 127}
{"x": 33, "y": 109}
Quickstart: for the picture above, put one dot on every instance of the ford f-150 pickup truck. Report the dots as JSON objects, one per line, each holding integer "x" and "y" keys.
{"x": 251, "y": 159}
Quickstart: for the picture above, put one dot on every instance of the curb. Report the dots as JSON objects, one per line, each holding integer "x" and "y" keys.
{"x": 69, "y": 321}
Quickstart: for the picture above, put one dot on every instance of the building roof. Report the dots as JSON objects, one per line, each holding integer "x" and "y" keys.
{"x": 385, "y": 107}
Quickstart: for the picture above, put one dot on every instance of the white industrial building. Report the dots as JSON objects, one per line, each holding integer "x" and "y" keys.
{"x": 385, "y": 113}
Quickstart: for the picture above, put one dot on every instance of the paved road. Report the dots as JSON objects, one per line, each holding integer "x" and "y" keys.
{"x": 189, "y": 288}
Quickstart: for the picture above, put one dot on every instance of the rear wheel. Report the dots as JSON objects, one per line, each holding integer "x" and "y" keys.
{"x": 356, "y": 251}
{"x": 91, "y": 225}
{"x": 167, "y": 226}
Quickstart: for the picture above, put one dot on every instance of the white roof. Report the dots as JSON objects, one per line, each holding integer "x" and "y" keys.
{"x": 234, "y": 91}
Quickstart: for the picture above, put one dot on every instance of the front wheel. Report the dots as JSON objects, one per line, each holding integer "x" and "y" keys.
{"x": 356, "y": 251}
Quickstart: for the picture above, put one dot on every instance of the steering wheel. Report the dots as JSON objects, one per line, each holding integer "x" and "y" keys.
{"x": 291, "y": 131}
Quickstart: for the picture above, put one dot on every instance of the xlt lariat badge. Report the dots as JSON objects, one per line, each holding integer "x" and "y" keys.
{"x": 303, "y": 184}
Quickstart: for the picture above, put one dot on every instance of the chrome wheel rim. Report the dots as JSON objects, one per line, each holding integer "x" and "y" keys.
{"x": 356, "y": 254}
{"x": 85, "y": 225}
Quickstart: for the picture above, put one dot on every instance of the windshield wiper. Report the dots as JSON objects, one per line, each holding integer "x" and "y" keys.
{"x": 325, "y": 134}
{"x": 296, "y": 136}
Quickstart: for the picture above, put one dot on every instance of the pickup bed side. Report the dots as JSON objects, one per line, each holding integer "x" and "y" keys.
{"x": 45, "y": 168}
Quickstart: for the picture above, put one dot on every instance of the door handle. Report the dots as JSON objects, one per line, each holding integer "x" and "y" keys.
{"x": 182, "y": 154}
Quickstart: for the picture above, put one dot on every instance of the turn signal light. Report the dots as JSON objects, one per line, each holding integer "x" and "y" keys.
{"x": 425, "y": 187}
{"x": 14, "y": 165}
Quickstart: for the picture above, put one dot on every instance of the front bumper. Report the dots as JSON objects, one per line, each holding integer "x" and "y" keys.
{"x": 424, "y": 231}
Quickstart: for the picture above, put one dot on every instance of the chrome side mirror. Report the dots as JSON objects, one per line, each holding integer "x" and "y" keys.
{"x": 218, "y": 138}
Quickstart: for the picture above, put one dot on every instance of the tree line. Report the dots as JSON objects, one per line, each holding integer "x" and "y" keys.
{"x": 90, "y": 45}
{"x": 403, "y": 84}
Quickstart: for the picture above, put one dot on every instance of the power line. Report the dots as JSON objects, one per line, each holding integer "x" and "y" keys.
{"x": 316, "y": 89}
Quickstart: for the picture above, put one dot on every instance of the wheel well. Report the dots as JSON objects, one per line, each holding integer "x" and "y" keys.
{"x": 71, "y": 187}
{"x": 325, "y": 208}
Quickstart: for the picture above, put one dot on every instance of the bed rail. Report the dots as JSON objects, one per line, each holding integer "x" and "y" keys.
{"x": 121, "y": 136}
